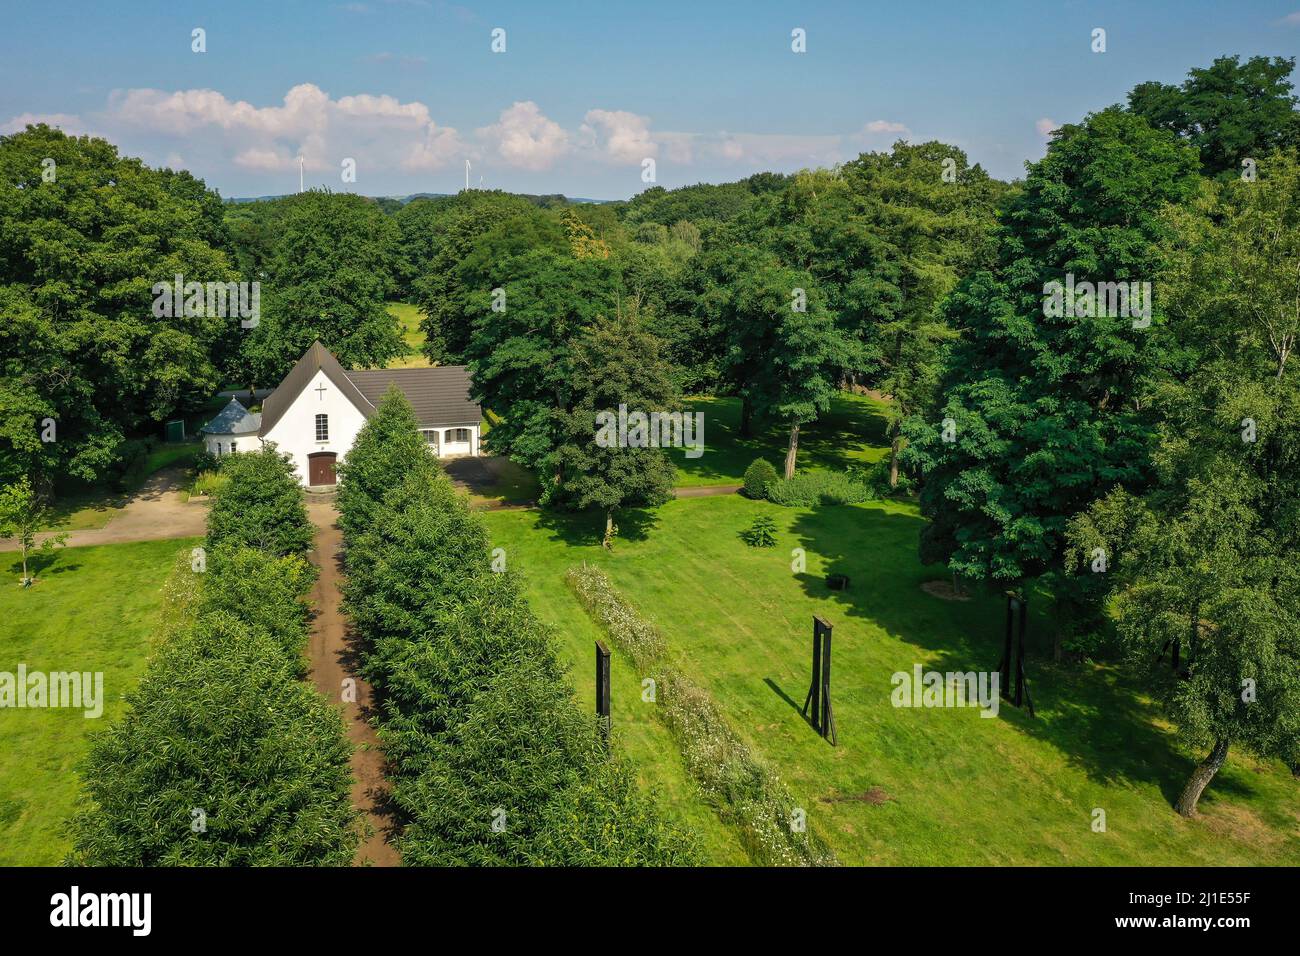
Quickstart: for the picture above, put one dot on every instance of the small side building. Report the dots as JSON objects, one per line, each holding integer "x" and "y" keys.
{"x": 234, "y": 429}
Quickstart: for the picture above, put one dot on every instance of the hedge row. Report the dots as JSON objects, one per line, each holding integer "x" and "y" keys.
{"x": 226, "y": 757}
{"x": 746, "y": 792}
{"x": 491, "y": 760}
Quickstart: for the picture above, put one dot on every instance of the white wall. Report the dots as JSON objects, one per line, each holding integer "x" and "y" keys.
{"x": 448, "y": 448}
{"x": 245, "y": 442}
{"x": 295, "y": 432}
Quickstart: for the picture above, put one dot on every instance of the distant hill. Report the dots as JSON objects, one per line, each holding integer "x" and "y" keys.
{"x": 555, "y": 199}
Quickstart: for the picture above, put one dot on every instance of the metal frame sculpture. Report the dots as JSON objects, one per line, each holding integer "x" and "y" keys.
{"x": 819, "y": 694}
{"x": 1014, "y": 656}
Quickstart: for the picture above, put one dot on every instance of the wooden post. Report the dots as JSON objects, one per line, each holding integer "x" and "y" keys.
{"x": 828, "y": 715}
{"x": 814, "y": 697}
{"x": 1020, "y": 654}
{"x": 602, "y": 690}
{"x": 1004, "y": 666}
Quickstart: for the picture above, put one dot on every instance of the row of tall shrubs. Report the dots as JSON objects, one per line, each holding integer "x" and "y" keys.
{"x": 226, "y": 755}
{"x": 745, "y": 791}
{"x": 491, "y": 760}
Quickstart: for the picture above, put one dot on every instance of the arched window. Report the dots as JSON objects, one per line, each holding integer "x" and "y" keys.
{"x": 322, "y": 428}
{"x": 218, "y": 449}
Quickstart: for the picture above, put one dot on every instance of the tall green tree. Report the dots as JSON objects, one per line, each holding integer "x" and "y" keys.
{"x": 1042, "y": 409}
{"x": 261, "y": 507}
{"x": 328, "y": 279}
{"x": 1204, "y": 560}
{"x": 1230, "y": 111}
{"x": 616, "y": 365}
{"x": 391, "y": 448}
{"x": 521, "y": 353}
{"x": 439, "y": 240}
{"x": 85, "y": 234}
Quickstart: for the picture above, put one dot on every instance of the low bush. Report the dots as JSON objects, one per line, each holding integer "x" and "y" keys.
{"x": 204, "y": 460}
{"x": 757, "y": 477}
{"x": 760, "y": 534}
{"x": 133, "y": 461}
{"x": 809, "y": 488}
{"x": 261, "y": 506}
{"x": 224, "y": 759}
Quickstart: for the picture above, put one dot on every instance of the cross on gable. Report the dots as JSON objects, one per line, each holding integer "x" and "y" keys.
{"x": 320, "y": 391}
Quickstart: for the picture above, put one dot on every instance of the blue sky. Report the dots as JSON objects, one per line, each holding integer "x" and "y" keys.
{"x": 585, "y": 91}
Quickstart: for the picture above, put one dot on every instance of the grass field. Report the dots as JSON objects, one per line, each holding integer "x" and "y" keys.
{"x": 94, "y": 609}
{"x": 408, "y": 317}
{"x": 957, "y": 788}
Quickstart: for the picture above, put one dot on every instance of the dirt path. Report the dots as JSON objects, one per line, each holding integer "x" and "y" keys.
{"x": 333, "y": 659}
{"x": 706, "y": 491}
{"x": 154, "y": 512}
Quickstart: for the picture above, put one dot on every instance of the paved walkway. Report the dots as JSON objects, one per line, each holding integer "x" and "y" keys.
{"x": 333, "y": 658}
{"x": 155, "y": 512}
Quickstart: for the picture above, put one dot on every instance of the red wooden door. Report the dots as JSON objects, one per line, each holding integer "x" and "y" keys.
{"x": 320, "y": 468}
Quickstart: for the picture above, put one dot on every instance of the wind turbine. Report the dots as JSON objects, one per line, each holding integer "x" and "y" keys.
{"x": 467, "y": 175}
{"x": 299, "y": 172}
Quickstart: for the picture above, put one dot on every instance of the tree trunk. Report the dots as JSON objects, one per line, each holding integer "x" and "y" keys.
{"x": 746, "y": 417}
{"x": 608, "y": 543}
{"x": 792, "y": 451}
{"x": 1058, "y": 646}
{"x": 1201, "y": 778}
{"x": 893, "y": 461}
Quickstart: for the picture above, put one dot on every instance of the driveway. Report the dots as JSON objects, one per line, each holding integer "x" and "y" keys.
{"x": 153, "y": 513}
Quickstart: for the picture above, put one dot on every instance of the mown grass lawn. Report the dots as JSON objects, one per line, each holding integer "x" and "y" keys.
{"x": 93, "y": 609}
{"x": 408, "y": 317}
{"x": 957, "y": 788}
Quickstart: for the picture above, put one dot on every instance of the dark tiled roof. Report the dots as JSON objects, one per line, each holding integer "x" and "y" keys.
{"x": 316, "y": 358}
{"x": 234, "y": 419}
{"x": 440, "y": 396}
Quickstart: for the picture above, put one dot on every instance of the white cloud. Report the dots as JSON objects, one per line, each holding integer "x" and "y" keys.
{"x": 886, "y": 126}
{"x": 619, "y": 136}
{"x": 386, "y": 135}
{"x": 525, "y": 138}
{"x": 1045, "y": 126}
{"x": 1291, "y": 19}
{"x": 72, "y": 125}
{"x": 379, "y": 131}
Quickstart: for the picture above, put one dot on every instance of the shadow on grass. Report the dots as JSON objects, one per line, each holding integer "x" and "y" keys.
{"x": 853, "y": 426}
{"x": 44, "y": 563}
{"x": 577, "y": 529}
{"x": 1095, "y": 715}
{"x": 798, "y": 708}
